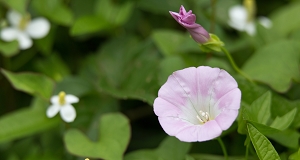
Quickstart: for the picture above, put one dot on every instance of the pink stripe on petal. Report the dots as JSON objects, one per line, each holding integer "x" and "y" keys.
{"x": 231, "y": 100}
{"x": 226, "y": 118}
{"x": 224, "y": 84}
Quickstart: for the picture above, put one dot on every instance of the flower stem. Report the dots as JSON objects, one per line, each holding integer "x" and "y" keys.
{"x": 223, "y": 148}
{"x": 213, "y": 15}
{"x": 235, "y": 67}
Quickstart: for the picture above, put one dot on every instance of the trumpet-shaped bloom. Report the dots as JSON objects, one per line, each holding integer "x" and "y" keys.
{"x": 197, "y": 104}
{"x": 23, "y": 29}
{"x": 239, "y": 20}
{"x": 62, "y": 103}
{"x": 187, "y": 20}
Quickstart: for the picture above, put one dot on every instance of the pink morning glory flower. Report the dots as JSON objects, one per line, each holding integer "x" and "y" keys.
{"x": 187, "y": 20}
{"x": 197, "y": 104}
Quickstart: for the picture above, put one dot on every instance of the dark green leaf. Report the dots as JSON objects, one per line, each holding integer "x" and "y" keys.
{"x": 88, "y": 24}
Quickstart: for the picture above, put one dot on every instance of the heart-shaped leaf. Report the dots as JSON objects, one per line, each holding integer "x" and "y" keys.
{"x": 114, "y": 135}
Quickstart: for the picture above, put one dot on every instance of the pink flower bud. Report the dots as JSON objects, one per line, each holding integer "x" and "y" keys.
{"x": 187, "y": 20}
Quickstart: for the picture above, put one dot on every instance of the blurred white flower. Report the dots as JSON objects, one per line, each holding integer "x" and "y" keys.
{"x": 62, "y": 103}
{"x": 239, "y": 20}
{"x": 23, "y": 29}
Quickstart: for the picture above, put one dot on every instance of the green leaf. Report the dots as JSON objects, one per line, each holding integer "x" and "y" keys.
{"x": 262, "y": 145}
{"x": 280, "y": 16}
{"x": 116, "y": 14}
{"x": 25, "y": 122}
{"x": 55, "y": 10}
{"x": 114, "y": 135}
{"x": 161, "y": 7}
{"x": 285, "y": 121}
{"x": 170, "y": 148}
{"x": 31, "y": 83}
{"x": 275, "y": 64}
{"x": 88, "y": 24}
{"x": 9, "y": 49}
{"x": 171, "y": 42}
{"x": 169, "y": 65}
{"x": 115, "y": 68}
{"x": 288, "y": 138}
{"x": 259, "y": 111}
{"x": 295, "y": 156}
{"x": 18, "y": 5}
{"x": 74, "y": 85}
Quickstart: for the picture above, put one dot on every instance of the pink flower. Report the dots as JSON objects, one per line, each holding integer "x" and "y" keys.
{"x": 187, "y": 20}
{"x": 197, "y": 104}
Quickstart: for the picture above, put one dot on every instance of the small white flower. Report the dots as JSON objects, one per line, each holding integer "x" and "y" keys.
{"x": 23, "y": 29}
{"x": 62, "y": 103}
{"x": 239, "y": 20}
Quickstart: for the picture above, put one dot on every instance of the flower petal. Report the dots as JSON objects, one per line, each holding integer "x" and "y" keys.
{"x": 68, "y": 113}
{"x": 226, "y": 118}
{"x": 200, "y": 133}
{"x": 54, "y": 100}
{"x": 182, "y": 10}
{"x": 250, "y": 28}
{"x": 24, "y": 41}
{"x": 14, "y": 18}
{"x": 52, "y": 111}
{"x": 231, "y": 100}
{"x": 38, "y": 28}
{"x": 238, "y": 17}
{"x": 173, "y": 125}
{"x": 264, "y": 21}
{"x": 9, "y": 34}
{"x": 71, "y": 99}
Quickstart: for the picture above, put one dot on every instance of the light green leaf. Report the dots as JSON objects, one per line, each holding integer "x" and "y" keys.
{"x": 275, "y": 64}
{"x": 55, "y": 10}
{"x": 116, "y": 14}
{"x": 25, "y": 122}
{"x": 18, "y": 5}
{"x": 31, "y": 83}
{"x": 169, "y": 65}
{"x": 262, "y": 145}
{"x": 170, "y": 148}
{"x": 295, "y": 156}
{"x": 172, "y": 42}
{"x": 288, "y": 138}
{"x": 259, "y": 111}
{"x": 280, "y": 16}
{"x": 88, "y": 24}
{"x": 285, "y": 121}
{"x": 9, "y": 49}
{"x": 114, "y": 135}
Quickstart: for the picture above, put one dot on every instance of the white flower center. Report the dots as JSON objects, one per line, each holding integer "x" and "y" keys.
{"x": 203, "y": 117}
{"x": 61, "y": 98}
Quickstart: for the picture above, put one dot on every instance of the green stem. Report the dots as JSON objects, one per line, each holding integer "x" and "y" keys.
{"x": 247, "y": 151}
{"x": 223, "y": 148}
{"x": 235, "y": 67}
{"x": 213, "y": 15}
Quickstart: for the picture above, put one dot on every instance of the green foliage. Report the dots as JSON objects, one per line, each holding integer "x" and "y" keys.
{"x": 31, "y": 83}
{"x": 9, "y": 49}
{"x": 114, "y": 68}
{"x": 170, "y": 148}
{"x": 262, "y": 145}
{"x": 114, "y": 134}
{"x": 282, "y": 57}
{"x": 25, "y": 122}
